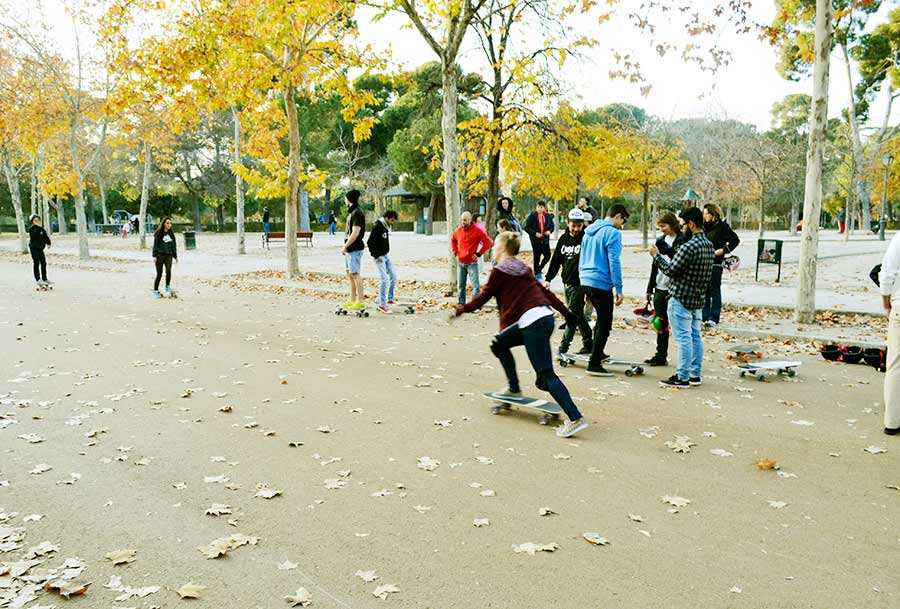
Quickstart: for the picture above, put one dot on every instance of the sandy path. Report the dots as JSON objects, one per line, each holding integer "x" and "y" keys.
{"x": 101, "y": 358}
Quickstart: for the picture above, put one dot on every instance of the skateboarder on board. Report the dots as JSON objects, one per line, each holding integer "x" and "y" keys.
{"x": 164, "y": 252}
{"x": 526, "y": 318}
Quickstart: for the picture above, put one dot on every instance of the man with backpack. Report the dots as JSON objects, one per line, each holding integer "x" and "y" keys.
{"x": 379, "y": 247}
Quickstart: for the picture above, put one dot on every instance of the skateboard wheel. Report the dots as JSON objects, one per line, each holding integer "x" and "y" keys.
{"x": 729, "y": 357}
{"x": 743, "y": 373}
{"x": 337, "y": 312}
{"x": 640, "y": 370}
{"x": 366, "y": 314}
{"x": 563, "y": 363}
{"x": 792, "y": 373}
{"x": 761, "y": 377}
{"x": 544, "y": 420}
{"x": 495, "y": 410}
{"x": 629, "y": 372}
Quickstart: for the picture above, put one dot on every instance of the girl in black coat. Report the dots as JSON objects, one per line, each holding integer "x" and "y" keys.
{"x": 724, "y": 241}
{"x": 37, "y": 241}
{"x": 164, "y": 252}
{"x": 506, "y": 212}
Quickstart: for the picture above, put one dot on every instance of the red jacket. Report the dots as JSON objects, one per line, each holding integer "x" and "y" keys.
{"x": 467, "y": 241}
{"x": 513, "y": 285}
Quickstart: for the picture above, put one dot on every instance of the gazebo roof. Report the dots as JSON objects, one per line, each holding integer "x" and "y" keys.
{"x": 690, "y": 195}
{"x": 398, "y": 191}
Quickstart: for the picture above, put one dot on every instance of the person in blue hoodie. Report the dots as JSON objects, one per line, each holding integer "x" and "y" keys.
{"x": 600, "y": 273}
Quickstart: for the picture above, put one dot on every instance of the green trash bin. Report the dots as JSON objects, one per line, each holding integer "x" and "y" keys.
{"x": 190, "y": 240}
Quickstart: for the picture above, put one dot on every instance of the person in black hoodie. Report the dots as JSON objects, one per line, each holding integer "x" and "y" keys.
{"x": 164, "y": 252}
{"x": 379, "y": 247}
{"x": 505, "y": 211}
{"x": 37, "y": 240}
{"x": 724, "y": 241}
{"x": 658, "y": 286}
{"x": 539, "y": 226}
{"x": 565, "y": 257}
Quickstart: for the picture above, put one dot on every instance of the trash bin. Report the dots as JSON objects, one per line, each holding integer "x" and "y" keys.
{"x": 190, "y": 240}
{"x": 768, "y": 251}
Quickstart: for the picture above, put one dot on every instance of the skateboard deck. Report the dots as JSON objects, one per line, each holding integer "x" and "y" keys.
{"x": 631, "y": 368}
{"x": 744, "y": 352}
{"x": 342, "y": 310}
{"x": 763, "y": 369}
{"x": 550, "y": 411}
{"x": 408, "y": 307}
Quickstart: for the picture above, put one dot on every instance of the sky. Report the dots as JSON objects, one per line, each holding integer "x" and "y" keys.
{"x": 744, "y": 90}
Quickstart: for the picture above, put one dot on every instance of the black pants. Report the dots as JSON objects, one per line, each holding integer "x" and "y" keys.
{"x": 603, "y": 304}
{"x": 163, "y": 260}
{"x": 40, "y": 263}
{"x": 575, "y": 304}
{"x": 661, "y": 305}
{"x": 541, "y": 250}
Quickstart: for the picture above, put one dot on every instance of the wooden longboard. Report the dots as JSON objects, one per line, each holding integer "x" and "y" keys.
{"x": 766, "y": 368}
{"x": 342, "y": 310}
{"x": 549, "y": 410}
{"x": 631, "y": 368}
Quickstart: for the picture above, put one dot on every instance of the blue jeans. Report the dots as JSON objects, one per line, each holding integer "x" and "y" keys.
{"x": 470, "y": 270}
{"x": 685, "y": 325}
{"x": 536, "y": 338}
{"x": 712, "y": 310}
{"x": 332, "y": 228}
{"x": 388, "y": 280}
{"x": 265, "y": 228}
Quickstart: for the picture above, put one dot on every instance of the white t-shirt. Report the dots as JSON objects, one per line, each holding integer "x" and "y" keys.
{"x": 532, "y": 315}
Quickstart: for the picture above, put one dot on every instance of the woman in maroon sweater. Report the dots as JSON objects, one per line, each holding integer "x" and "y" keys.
{"x": 526, "y": 318}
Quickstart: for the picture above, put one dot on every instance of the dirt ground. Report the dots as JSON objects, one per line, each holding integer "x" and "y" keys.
{"x": 148, "y": 412}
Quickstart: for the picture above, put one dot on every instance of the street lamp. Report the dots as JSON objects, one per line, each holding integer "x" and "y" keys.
{"x": 886, "y": 160}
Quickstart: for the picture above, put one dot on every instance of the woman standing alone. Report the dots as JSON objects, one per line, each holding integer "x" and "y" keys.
{"x": 164, "y": 252}
{"x": 724, "y": 242}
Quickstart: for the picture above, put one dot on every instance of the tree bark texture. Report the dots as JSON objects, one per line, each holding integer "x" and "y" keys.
{"x": 239, "y": 184}
{"x": 12, "y": 180}
{"x": 291, "y": 203}
{"x": 145, "y": 195}
{"x": 451, "y": 159}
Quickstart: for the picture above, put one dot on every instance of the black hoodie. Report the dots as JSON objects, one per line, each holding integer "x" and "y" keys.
{"x": 568, "y": 250}
{"x": 379, "y": 239}
{"x": 37, "y": 237}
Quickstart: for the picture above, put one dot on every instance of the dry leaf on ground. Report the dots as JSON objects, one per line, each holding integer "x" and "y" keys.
{"x": 382, "y": 591}
{"x": 68, "y": 588}
{"x": 764, "y": 464}
{"x": 367, "y": 576}
{"x": 120, "y": 557}
{"x": 531, "y": 548}
{"x": 218, "y": 509}
{"x": 676, "y": 501}
{"x": 300, "y": 597}
{"x": 190, "y": 590}
{"x": 680, "y": 444}
{"x": 595, "y": 538}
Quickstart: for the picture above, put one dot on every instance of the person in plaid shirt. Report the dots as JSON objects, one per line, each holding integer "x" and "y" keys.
{"x": 689, "y": 273}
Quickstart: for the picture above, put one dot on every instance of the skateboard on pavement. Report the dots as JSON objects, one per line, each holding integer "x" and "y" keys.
{"x": 631, "y": 368}
{"x": 408, "y": 307}
{"x": 549, "y": 410}
{"x": 342, "y": 310}
{"x": 763, "y": 369}
{"x": 744, "y": 353}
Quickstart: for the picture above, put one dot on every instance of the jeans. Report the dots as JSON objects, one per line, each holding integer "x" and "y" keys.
{"x": 661, "y": 306}
{"x": 892, "y": 374}
{"x": 685, "y": 325}
{"x": 536, "y": 338}
{"x": 602, "y": 300}
{"x": 163, "y": 261}
{"x": 541, "y": 251}
{"x": 575, "y": 304}
{"x": 468, "y": 270}
{"x": 332, "y": 228}
{"x": 40, "y": 263}
{"x": 712, "y": 310}
{"x": 265, "y": 228}
{"x": 388, "y": 279}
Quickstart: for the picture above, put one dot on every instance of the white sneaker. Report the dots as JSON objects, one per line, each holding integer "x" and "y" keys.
{"x": 710, "y": 324}
{"x": 506, "y": 392}
{"x": 570, "y": 428}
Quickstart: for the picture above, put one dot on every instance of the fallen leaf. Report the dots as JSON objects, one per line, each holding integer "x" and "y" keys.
{"x": 382, "y": 591}
{"x": 190, "y": 590}
{"x": 676, "y": 501}
{"x": 67, "y": 588}
{"x": 263, "y": 490}
{"x": 875, "y": 450}
{"x": 325, "y": 429}
{"x": 777, "y": 504}
{"x": 40, "y": 468}
{"x": 545, "y": 511}
{"x": 218, "y": 509}
{"x": 764, "y": 464}
{"x": 595, "y": 538}
{"x": 300, "y": 597}
{"x": 367, "y": 576}
{"x": 532, "y": 548}
{"x": 286, "y": 565}
{"x": 635, "y": 518}
{"x": 562, "y": 456}
{"x": 681, "y": 444}
{"x": 427, "y": 463}
{"x": 720, "y": 452}
{"x": 120, "y": 557}
{"x": 481, "y": 522}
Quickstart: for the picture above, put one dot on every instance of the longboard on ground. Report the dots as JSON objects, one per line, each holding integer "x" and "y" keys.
{"x": 550, "y": 411}
{"x": 631, "y": 368}
{"x": 342, "y": 310}
{"x": 762, "y": 370}
{"x": 744, "y": 353}
{"x": 408, "y": 307}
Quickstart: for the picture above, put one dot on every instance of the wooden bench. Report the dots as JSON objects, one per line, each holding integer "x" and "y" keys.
{"x": 305, "y": 238}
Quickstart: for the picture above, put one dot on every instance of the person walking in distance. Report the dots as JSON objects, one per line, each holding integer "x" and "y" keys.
{"x": 658, "y": 285}
{"x": 469, "y": 242}
{"x": 600, "y": 273}
{"x": 38, "y": 239}
{"x": 724, "y": 242}
{"x": 266, "y": 222}
{"x": 526, "y": 318}
{"x": 380, "y": 247}
{"x": 332, "y": 223}
{"x": 539, "y": 226}
{"x": 164, "y": 252}
{"x": 890, "y": 290}
{"x": 565, "y": 257}
{"x": 689, "y": 272}
{"x": 353, "y": 249}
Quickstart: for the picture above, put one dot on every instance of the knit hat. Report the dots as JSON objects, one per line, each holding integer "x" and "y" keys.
{"x": 353, "y": 196}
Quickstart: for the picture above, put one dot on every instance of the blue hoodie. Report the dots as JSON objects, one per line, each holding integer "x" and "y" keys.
{"x": 599, "y": 265}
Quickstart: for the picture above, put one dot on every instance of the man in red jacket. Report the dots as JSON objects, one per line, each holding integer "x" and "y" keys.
{"x": 469, "y": 242}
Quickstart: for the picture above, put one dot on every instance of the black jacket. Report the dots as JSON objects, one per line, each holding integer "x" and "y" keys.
{"x": 379, "y": 239}
{"x": 532, "y": 227}
{"x": 37, "y": 237}
{"x": 163, "y": 246}
{"x": 722, "y": 237}
{"x": 565, "y": 256}
{"x": 666, "y": 250}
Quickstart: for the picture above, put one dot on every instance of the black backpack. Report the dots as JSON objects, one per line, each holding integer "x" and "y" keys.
{"x": 873, "y": 274}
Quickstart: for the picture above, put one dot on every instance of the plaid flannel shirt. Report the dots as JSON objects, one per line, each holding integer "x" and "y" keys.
{"x": 689, "y": 271}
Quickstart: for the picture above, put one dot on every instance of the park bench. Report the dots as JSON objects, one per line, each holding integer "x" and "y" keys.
{"x": 305, "y": 238}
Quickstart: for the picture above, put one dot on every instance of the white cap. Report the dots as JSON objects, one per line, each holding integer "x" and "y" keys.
{"x": 576, "y": 215}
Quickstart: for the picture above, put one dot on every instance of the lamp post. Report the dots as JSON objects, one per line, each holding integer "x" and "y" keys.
{"x": 886, "y": 160}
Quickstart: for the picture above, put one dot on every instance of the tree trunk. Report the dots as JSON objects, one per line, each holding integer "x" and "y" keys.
{"x": 449, "y": 83}
{"x": 91, "y": 221}
{"x": 762, "y": 210}
{"x": 220, "y": 217}
{"x": 293, "y": 177}
{"x": 805, "y": 311}
{"x": 102, "y": 188}
{"x": 858, "y": 175}
{"x": 429, "y": 220}
{"x": 45, "y": 212}
{"x": 195, "y": 208}
{"x": 304, "y": 211}
{"x": 493, "y": 193}
{"x": 795, "y": 215}
{"x": 145, "y": 196}
{"x": 61, "y": 217}
{"x": 238, "y": 183}
{"x": 654, "y": 217}
{"x": 84, "y": 252}
{"x": 34, "y": 195}
{"x": 645, "y": 216}
{"x": 12, "y": 180}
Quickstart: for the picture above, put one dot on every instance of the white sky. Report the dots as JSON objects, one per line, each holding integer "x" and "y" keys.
{"x": 744, "y": 90}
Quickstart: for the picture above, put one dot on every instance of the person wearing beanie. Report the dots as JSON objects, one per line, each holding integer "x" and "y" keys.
{"x": 354, "y": 245}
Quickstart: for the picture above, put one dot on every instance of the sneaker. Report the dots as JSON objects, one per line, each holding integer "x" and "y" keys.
{"x": 892, "y": 431}
{"x": 710, "y": 324}
{"x": 391, "y": 302}
{"x": 604, "y": 358}
{"x": 674, "y": 381}
{"x": 506, "y": 391}
{"x": 600, "y": 371}
{"x": 570, "y": 428}
{"x": 539, "y": 276}
{"x": 348, "y": 304}
{"x": 585, "y": 351}
{"x": 155, "y": 294}
{"x": 384, "y": 310}
{"x": 695, "y": 381}
{"x": 169, "y": 289}
{"x": 656, "y": 361}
